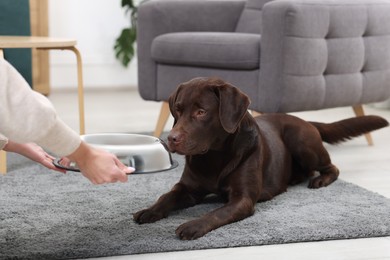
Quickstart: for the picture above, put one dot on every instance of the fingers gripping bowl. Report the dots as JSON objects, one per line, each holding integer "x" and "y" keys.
{"x": 143, "y": 152}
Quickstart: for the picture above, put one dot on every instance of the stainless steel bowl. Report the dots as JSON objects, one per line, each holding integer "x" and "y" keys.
{"x": 143, "y": 152}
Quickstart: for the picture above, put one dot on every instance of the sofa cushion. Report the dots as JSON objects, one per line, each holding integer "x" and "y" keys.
{"x": 250, "y": 20}
{"x": 208, "y": 49}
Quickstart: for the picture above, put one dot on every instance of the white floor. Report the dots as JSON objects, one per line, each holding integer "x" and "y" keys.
{"x": 122, "y": 110}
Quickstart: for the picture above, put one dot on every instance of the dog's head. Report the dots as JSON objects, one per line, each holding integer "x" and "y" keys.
{"x": 205, "y": 111}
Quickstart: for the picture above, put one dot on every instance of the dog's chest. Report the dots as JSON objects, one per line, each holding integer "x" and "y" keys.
{"x": 206, "y": 171}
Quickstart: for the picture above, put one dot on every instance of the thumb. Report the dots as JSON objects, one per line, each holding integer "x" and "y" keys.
{"x": 123, "y": 168}
{"x": 129, "y": 170}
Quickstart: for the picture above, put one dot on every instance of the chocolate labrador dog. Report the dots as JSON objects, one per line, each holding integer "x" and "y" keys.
{"x": 243, "y": 159}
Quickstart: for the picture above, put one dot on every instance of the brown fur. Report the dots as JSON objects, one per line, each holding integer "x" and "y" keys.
{"x": 346, "y": 129}
{"x": 243, "y": 159}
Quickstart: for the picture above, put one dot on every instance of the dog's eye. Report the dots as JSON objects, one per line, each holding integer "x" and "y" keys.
{"x": 178, "y": 110}
{"x": 200, "y": 112}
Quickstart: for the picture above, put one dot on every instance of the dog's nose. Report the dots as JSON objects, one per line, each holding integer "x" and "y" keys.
{"x": 174, "y": 137}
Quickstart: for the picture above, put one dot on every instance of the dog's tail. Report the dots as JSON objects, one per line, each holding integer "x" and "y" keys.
{"x": 347, "y": 129}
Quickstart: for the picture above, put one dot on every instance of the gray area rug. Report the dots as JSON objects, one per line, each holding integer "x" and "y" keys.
{"x": 48, "y": 215}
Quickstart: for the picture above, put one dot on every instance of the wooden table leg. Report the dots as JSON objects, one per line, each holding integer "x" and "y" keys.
{"x": 3, "y": 154}
{"x": 80, "y": 84}
{"x": 80, "y": 88}
{"x": 3, "y": 162}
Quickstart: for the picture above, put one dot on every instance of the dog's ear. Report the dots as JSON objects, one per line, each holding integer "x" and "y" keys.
{"x": 233, "y": 105}
{"x": 172, "y": 101}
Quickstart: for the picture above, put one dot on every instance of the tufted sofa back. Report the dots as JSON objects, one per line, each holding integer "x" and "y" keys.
{"x": 326, "y": 54}
{"x": 250, "y": 19}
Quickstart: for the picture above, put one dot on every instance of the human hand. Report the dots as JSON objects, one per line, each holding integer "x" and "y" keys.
{"x": 98, "y": 165}
{"x": 34, "y": 152}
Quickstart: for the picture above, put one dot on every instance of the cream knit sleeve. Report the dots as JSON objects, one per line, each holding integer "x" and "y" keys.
{"x": 27, "y": 116}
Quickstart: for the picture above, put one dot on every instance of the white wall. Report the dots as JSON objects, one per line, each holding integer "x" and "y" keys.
{"x": 95, "y": 24}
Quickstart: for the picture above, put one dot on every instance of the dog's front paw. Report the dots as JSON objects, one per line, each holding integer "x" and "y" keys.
{"x": 193, "y": 229}
{"x": 147, "y": 216}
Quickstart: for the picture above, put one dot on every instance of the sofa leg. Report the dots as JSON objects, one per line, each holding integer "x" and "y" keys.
{"x": 358, "y": 109}
{"x": 162, "y": 119}
{"x": 3, "y": 162}
{"x": 255, "y": 113}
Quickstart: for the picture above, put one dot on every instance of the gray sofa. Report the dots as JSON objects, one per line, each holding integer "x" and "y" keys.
{"x": 286, "y": 55}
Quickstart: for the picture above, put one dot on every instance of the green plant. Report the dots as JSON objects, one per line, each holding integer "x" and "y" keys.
{"x": 125, "y": 44}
